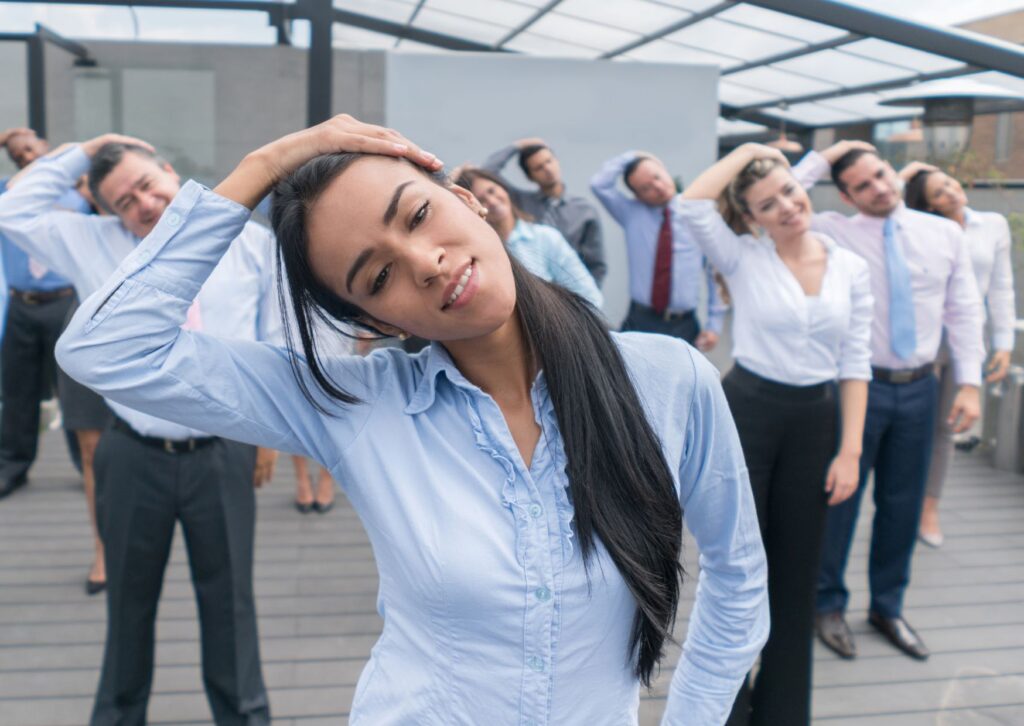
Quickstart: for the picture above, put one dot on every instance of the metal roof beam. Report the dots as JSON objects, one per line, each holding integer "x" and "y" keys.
{"x": 757, "y": 117}
{"x": 990, "y": 54}
{"x": 674, "y": 27}
{"x": 541, "y": 12}
{"x": 400, "y": 30}
{"x": 791, "y": 54}
{"x": 742, "y": 111}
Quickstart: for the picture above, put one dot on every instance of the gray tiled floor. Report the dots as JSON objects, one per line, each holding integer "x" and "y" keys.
{"x": 315, "y": 589}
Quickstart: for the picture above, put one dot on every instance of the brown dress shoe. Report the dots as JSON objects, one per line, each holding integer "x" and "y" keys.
{"x": 898, "y": 632}
{"x": 835, "y": 634}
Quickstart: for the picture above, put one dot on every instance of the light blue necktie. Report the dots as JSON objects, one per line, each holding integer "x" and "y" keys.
{"x": 902, "y": 336}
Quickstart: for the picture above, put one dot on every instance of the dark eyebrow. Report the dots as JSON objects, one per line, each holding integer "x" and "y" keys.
{"x": 392, "y": 210}
{"x": 357, "y": 266}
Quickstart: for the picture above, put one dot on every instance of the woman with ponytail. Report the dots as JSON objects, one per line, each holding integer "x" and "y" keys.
{"x": 523, "y": 481}
{"x": 803, "y": 311}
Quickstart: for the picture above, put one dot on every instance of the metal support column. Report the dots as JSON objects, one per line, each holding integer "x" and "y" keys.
{"x": 36, "y": 85}
{"x": 321, "y": 62}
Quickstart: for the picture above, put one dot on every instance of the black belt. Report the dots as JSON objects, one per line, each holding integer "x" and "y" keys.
{"x": 666, "y": 315}
{"x": 38, "y": 297}
{"x": 171, "y": 446}
{"x": 785, "y": 391}
{"x": 902, "y": 375}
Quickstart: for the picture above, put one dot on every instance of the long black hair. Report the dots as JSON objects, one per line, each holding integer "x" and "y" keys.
{"x": 621, "y": 486}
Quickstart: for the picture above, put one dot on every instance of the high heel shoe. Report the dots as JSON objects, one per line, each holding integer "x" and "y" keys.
{"x": 305, "y": 507}
{"x": 323, "y": 507}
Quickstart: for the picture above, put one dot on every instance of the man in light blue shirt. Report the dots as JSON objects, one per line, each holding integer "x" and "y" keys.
{"x": 666, "y": 266}
{"x": 151, "y": 472}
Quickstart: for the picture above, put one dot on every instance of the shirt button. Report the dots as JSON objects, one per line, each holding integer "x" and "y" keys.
{"x": 535, "y": 510}
{"x": 174, "y": 219}
{"x": 543, "y": 594}
{"x": 535, "y": 663}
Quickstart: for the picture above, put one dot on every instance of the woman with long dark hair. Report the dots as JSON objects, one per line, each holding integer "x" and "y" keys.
{"x": 523, "y": 481}
{"x": 803, "y": 311}
{"x": 928, "y": 189}
{"x": 541, "y": 249}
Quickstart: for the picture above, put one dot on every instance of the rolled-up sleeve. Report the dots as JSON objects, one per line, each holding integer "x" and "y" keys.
{"x": 729, "y": 621}
{"x": 855, "y": 349}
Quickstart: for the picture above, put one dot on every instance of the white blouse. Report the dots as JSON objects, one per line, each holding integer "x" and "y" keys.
{"x": 988, "y": 238}
{"x": 780, "y": 332}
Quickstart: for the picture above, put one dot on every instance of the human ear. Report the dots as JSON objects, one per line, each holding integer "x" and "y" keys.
{"x": 384, "y": 329}
{"x": 467, "y": 198}
{"x": 170, "y": 170}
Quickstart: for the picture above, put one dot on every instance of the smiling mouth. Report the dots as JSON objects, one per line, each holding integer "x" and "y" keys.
{"x": 460, "y": 286}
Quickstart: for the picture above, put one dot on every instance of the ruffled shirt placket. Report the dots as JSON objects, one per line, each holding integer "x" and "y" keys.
{"x": 535, "y": 552}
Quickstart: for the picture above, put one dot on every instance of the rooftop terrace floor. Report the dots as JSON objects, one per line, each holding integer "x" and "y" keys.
{"x": 316, "y": 585}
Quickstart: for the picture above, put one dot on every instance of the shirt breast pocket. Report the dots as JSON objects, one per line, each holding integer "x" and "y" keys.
{"x": 929, "y": 278}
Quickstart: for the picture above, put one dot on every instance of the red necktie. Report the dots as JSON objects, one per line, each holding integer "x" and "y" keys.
{"x": 662, "y": 286}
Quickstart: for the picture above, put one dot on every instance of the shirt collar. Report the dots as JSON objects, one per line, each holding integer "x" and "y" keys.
{"x": 971, "y": 217}
{"x": 522, "y": 231}
{"x": 436, "y": 360}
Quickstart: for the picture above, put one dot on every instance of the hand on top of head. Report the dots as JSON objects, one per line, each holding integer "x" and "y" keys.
{"x": 757, "y": 152}
{"x": 529, "y": 141}
{"x": 7, "y": 134}
{"x": 91, "y": 146}
{"x": 340, "y": 134}
{"x": 914, "y": 168}
{"x": 838, "y": 149}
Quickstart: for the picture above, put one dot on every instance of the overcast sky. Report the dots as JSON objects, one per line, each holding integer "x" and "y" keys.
{"x": 224, "y": 26}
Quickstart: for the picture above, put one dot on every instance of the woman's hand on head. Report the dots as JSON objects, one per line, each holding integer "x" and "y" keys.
{"x": 757, "y": 152}
{"x": 262, "y": 169}
{"x": 339, "y": 134}
{"x": 911, "y": 170}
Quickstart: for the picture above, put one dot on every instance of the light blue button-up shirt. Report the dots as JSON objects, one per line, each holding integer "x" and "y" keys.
{"x": 238, "y": 301}
{"x": 544, "y": 252}
{"x": 641, "y": 224}
{"x": 488, "y": 614}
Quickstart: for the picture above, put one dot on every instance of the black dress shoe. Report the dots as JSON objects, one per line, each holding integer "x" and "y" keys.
{"x": 898, "y": 632}
{"x": 304, "y": 507}
{"x": 12, "y": 485}
{"x": 835, "y": 634}
{"x": 324, "y": 507}
{"x": 94, "y": 587}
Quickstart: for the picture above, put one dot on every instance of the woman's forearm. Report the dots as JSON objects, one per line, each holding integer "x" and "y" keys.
{"x": 853, "y": 404}
{"x": 712, "y": 181}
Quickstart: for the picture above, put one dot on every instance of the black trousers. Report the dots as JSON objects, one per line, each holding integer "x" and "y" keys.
{"x": 789, "y": 436}
{"x": 643, "y": 319}
{"x": 28, "y": 375}
{"x": 141, "y": 491}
